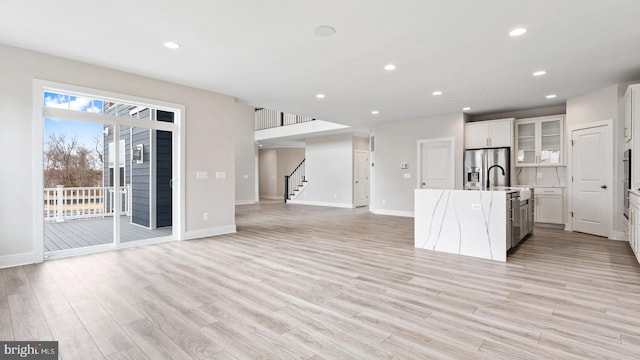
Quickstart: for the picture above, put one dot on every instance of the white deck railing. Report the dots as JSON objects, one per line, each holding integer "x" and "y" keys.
{"x": 62, "y": 203}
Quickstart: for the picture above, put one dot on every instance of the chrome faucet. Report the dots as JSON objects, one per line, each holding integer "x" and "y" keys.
{"x": 489, "y": 171}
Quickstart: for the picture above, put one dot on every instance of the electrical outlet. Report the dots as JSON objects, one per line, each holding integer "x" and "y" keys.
{"x": 205, "y": 216}
{"x": 539, "y": 174}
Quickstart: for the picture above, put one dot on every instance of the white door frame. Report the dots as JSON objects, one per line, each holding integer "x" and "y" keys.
{"x": 452, "y": 149}
{"x": 178, "y": 161}
{"x": 614, "y": 185}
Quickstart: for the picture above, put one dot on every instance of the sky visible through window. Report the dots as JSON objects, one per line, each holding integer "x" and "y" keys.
{"x": 85, "y": 132}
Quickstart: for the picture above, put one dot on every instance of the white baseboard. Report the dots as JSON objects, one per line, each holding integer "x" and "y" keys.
{"x": 7, "y": 261}
{"x": 321, "y": 203}
{"x": 618, "y": 235}
{"x": 271, "y": 197}
{"x": 392, "y": 212}
{"x": 220, "y": 230}
{"x": 245, "y": 202}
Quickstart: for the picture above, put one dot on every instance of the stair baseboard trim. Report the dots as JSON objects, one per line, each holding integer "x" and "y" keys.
{"x": 202, "y": 233}
{"x": 321, "y": 203}
{"x": 392, "y": 212}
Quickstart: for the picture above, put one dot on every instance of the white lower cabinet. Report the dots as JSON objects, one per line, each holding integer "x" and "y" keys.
{"x": 548, "y": 203}
{"x": 634, "y": 222}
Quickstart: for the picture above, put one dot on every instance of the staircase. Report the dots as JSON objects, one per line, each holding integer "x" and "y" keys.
{"x": 295, "y": 182}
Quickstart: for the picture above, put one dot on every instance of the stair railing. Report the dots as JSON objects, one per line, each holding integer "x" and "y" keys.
{"x": 294, "y": 181}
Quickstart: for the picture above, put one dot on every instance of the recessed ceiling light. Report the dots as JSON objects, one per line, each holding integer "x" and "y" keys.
{"x": 375, "y": 112}
{"x": 437, "y": 92}
{"x": 389, "y": 67}
{"x": 171, "y": 45}
{"x": 466, "y": 108}
{"x": 552, "y": 96}
{"x": 261, "y": 145}
{"x": 517, "y": 31}
{"x": 324, "y": 31}
{"x": 539, "y": 73}
{"x": 320, "y": 96}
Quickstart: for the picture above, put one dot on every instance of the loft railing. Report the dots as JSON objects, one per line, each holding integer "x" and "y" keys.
{"x": 267, "y": 119}
{"x": 294, "y": 181}
{"x": 72, "y": 203}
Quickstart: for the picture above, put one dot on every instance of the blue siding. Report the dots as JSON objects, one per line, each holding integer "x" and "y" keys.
{"x": 140, "y": 174}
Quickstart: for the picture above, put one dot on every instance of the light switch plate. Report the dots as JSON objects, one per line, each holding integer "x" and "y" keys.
{"x": 221, "y": 175}
{"x": 202, "y": 175}
{"x": 406, "y": 175}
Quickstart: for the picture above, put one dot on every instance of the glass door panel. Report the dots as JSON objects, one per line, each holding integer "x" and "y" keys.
{"x": 526, "y": 143}
{"x": 147, "y": 185}
{"x": 78, "y": 206}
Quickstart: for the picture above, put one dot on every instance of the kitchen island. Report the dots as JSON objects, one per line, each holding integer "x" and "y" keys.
{"x": 474, "y": 223}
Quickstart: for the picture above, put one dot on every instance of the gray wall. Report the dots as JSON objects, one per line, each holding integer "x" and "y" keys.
{"x": 246, "y": 162}
{"x": 288, "y": 160}
{"x": 210, "y": 142}
{"x": 268, "y": 169}
{"x": 274, "y": 164}
{"x": 397, "y": 142}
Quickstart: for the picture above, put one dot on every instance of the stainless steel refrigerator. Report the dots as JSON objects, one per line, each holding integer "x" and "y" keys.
{"x": 487, "y": 167}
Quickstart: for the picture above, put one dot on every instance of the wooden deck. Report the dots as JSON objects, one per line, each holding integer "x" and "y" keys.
{"x": 75, "y": 234}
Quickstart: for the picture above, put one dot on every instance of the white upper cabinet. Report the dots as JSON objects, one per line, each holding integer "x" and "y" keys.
{"x": 488, "y": 134}
{"x": 539, "y": 141}
{"x": 632, "y": 130}
{"x": 629, "y": 104}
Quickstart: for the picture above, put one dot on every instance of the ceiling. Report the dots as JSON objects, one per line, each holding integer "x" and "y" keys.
{"x": 265, "y": 53}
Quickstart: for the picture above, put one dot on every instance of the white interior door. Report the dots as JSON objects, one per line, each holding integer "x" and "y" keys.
{"x": 437, "y": 164}
{"x": 592, "y": 171}
{"x": 361, "y": 178}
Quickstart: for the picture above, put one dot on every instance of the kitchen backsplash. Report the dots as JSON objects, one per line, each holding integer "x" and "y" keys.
{"x": 541, "y": 176}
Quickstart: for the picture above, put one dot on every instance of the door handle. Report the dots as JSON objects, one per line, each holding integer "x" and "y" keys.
{"x": 424, "y": 184}
{"x": 603, "y": 186}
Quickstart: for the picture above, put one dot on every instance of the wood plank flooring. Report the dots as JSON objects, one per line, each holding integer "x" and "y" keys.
{"x": 298, "y": 282}
{"x": 73, "y": 234}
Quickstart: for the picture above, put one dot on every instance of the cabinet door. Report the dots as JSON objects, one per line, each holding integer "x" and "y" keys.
{"x": 633, "y": 226}
{"x": 628, "y": 114}
{"x": 549, "y": 209}
{"x": 476, "y": 135}
{"x": 550, "y": 142}
{"x": 500, "y": 133}
{"x": 526, "y": 143}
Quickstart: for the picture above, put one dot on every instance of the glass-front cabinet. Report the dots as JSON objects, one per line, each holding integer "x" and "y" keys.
{"x": 539, "y": 141}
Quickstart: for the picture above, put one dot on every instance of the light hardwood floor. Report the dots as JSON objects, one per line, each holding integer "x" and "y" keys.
{"x": 319, "y": 283}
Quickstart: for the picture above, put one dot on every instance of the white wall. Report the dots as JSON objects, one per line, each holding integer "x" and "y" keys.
{"x": 210, "y": 126}
{"x": 397, "y": 142}
{"x": 596, "y": 106}
{"x": 329, "y": 168}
